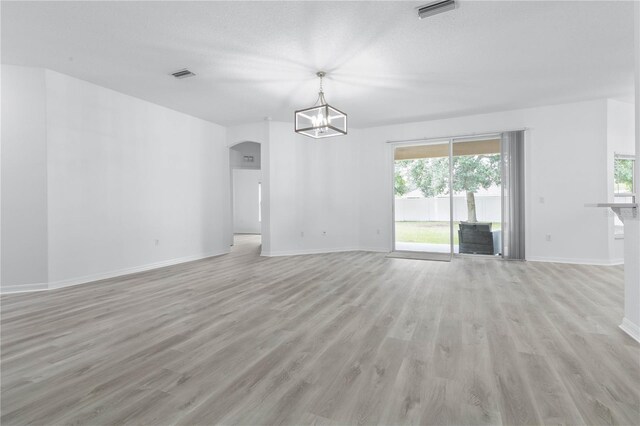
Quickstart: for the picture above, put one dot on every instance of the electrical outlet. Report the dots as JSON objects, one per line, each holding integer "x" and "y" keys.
{"x": 301, "y": 234}
{"x": 324, "y": 233}
{"x": 547, "y": 237}
{"x": 157, "y": 242}
{"x": 541, "y": 199}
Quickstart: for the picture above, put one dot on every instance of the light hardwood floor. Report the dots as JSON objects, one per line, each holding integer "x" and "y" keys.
{"x": 345, "y": 338}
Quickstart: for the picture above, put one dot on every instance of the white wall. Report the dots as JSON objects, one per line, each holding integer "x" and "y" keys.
{"x": 130, "y": 185}
{"x": 246, "y": 201}
{"x": 123, "y": 173}
{"x": 566, "y": 148}
{"x": 314, "y": 191}
{"x": 310, "y": 200}
{"x": 24, "y": 178}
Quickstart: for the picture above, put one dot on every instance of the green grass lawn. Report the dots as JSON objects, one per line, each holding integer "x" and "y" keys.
{"x": 429, "y": 232}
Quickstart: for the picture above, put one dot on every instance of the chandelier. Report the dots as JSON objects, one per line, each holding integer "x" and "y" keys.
{"x": 321, "y": 120}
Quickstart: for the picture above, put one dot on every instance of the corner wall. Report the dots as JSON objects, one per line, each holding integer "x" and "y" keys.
{"x": 24, "y": 178}
{"x": 130, "y": 185}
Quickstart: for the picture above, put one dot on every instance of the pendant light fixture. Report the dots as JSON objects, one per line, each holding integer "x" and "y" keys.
{"x": 321, "y": 120}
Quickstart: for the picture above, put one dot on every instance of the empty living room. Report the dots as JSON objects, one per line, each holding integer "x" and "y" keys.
{"x": 320, "y": 212}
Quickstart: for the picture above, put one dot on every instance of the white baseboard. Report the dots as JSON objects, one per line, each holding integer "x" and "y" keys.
{"x": 307, "y": 251}
{"x": 23, "y": 288}
{"x": 321, "y": 251}
{"x": 126, "y": 271}
{"x": 375, "y": 249}
{"x": 106, "y": 275}
{"x": 595, "y": 262}
{"x": 631, "y": 329}
{"x": 133, "y": 270}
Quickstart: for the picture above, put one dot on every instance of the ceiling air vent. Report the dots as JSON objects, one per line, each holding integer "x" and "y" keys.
{"x": 182, "y": 73}
{"x": 435, "y": 7}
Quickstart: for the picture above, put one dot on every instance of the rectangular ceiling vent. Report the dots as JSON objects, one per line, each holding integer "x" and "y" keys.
{"x": 183, "y": 73}
{"x": 435, "y": 7}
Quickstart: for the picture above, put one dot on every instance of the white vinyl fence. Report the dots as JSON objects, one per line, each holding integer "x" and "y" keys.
{"x": 488, "y": 208}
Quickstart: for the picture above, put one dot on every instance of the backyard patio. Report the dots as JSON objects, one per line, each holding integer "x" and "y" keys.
{"x": 428, "y": 236}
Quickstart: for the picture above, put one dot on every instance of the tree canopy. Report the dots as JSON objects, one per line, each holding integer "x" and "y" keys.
{"x": 400, "y": 185}
{"x": 431, "y": 175}
{"x": 623, "y": 175}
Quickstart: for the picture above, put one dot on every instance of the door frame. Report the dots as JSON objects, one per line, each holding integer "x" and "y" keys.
{"x": 265, "y": 236}
{"x": 437, "y": 141}
{"x": 424, "y": 142}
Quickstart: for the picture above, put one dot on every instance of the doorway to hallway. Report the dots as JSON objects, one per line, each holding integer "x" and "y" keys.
{"x": 246, "y": 191}
{"x": 247, "y": 243}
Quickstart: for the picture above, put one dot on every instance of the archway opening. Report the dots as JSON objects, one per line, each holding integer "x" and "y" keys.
{"x": 245, "y": 163}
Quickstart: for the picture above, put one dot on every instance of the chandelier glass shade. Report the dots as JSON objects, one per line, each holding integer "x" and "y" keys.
{"x": 321, "y": 120}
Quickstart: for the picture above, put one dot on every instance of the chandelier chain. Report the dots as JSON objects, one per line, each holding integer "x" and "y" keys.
{"x": 321, "y": 100}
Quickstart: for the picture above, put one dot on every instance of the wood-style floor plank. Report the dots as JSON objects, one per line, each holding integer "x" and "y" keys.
{"x": 328, "y": 339}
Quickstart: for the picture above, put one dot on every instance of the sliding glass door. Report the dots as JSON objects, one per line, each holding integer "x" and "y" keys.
{"x": 422, "y": 205}
{"x": 460, "y": 195}
{"x": 477, "y": 197}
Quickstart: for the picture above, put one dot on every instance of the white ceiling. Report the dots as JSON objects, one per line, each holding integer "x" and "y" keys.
{"x": 258, "y": 59}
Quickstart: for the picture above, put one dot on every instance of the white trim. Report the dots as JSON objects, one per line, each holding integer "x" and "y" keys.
{"x": 375, "y": 249}
{"x": 469, "y": 136}
{"x": 320, "y": 251}
{"x": 631, "y": 329}
{"x": 595, "y": 262}
{"x": 106, "y": 275}
{"x": 307, "y": 251}
{"x": 132, "y": 270}
{"x": 23, "y": 288}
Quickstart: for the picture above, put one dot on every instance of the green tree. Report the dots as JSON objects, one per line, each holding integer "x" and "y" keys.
{"x": 401, "y": 177}
{"x": 470, "y": 173}
{"x": 430, "y": 176}
{"x": 400, "y": 185}
{"x": 623, "y": 175}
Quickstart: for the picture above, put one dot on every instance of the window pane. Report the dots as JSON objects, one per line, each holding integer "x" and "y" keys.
{"x": 623, "y": 175}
